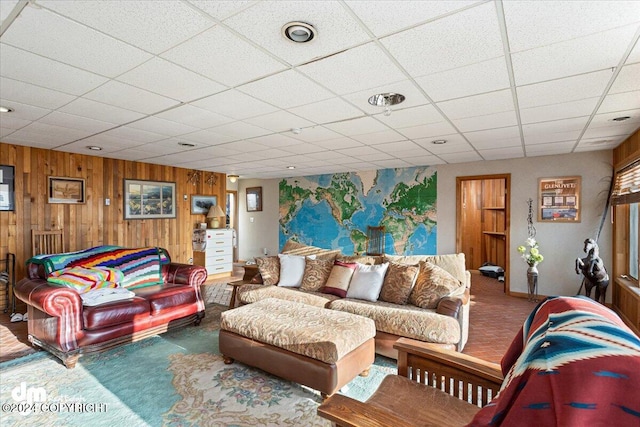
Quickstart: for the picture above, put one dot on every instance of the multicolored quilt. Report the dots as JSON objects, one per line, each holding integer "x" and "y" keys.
{"x": 140, "y": 266}
{"x": 574, "y": 364}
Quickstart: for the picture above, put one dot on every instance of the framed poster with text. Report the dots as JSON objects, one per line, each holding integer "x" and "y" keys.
{"x": 559, "y": 199}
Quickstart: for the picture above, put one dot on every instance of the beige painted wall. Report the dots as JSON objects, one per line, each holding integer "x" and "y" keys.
{"x": 560, "y": 243}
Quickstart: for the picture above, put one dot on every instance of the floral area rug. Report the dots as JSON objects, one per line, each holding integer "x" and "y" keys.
{"x": 174, "y": 379}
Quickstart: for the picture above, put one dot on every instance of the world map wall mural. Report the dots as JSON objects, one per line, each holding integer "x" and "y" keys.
{"x": 333, "y": 211}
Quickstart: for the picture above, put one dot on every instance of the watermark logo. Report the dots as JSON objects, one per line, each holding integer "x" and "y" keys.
{"x": 30, "y": 395}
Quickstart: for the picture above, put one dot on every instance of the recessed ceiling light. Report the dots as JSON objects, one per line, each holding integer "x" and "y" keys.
{"x": 299, "y": 32}
{"x": 439, "y": 141}
{"x": 94, "y": 148}
{"x": 291, "y": 167}
{"x": 5, "y": 109}
{"x": 386, "y": 100}
{"x": 186, "y": 144}
{"x": 621, "y": 119}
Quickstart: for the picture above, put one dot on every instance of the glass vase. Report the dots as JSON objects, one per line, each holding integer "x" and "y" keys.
{"x": 532, "y": 283}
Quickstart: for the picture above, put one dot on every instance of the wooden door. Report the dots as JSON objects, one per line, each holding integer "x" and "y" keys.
{"x": 483, "y": 220}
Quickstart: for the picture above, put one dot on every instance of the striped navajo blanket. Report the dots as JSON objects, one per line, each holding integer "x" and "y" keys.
{"x": 140, "y": 266}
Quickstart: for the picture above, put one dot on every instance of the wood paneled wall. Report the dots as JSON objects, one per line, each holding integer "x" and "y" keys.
{"x": 93, "y": 223}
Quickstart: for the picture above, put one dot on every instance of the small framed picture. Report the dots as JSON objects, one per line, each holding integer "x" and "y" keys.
{"x": 66, "y": 190}
{"x": 149, "y": 199}
{"x": 201, "y": 204}
{"x": 254, "y": 199}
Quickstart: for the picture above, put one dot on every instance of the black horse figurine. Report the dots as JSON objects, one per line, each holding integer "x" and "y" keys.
{"x": 595, "y": 274}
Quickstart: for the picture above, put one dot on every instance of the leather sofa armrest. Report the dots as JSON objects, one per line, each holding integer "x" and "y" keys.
{"x": 449, "y": 306}
{"x": 57, "y": 301}
{"x": 184, "y": 274}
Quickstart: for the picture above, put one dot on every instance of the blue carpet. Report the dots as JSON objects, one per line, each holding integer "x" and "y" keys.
{"x": 175, "y": 379}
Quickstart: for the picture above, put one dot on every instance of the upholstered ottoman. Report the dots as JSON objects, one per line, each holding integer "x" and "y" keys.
{"x": 320, "y": 348}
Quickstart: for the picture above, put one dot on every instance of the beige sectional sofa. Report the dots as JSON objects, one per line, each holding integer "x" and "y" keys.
{"x": 446, "y": 325}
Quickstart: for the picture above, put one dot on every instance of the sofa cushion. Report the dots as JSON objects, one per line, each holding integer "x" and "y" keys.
{"x": 453, "y": 263}
{"x": 339, "y": 278}
{"x": 316, "y": 273}
{"x": 295, "y": 248}
{"x": 291, "y": 270}
{"x": 249, "y": 294}
{"x": 404, "y": 320}
{"x": 269, "y": 268}
{"x": 433, "y": 283}
{"x": 367, "y": 281}
{"x": 114, "y": 313}
{"x": 85, "y": 279}
{"x": 398, "y": 283}
{"x": 167, "y": 297}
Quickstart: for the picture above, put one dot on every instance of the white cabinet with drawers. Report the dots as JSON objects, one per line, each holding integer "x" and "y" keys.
{"x": 217, "y": 257}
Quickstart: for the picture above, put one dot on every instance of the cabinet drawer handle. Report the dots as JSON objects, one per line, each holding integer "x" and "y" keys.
{"x": 220, "y": 250}
{"x": 220, "y": 259}
{"x": 219, "y": 268}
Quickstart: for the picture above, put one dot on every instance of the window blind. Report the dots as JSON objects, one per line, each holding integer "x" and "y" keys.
{"x": 626, "y": 189}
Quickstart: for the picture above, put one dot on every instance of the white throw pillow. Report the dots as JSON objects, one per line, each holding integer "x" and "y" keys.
{"x": 367, "y": 281}
{"x": 292, "y": 270}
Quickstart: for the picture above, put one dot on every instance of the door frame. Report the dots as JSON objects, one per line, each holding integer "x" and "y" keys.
{"x": 507, "y": 212}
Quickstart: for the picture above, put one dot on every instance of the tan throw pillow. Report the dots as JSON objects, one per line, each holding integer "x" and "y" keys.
{"x": 269, "y": 268}
{"x": 360, "y": 259}
{"x": 433, "y": 283}
{"x": 316, "y": 273}
{"x": 398, "y": 283}
{"x": 339, "y": 278}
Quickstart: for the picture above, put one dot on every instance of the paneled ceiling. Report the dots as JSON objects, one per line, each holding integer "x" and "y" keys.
{"x": 214, "y": 85}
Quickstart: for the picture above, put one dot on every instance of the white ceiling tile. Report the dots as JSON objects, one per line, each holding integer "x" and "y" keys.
{"x": 620, "y": 101}
{"x": 621, "y": 129}
{"x": 468, "y": 156}
{"x": 273, "y": 153}
{"x": 120, "y": 94}
{"x": 207, "y": 137}
{"x": 576, "y": 123}
{"x": 215, "y": 152}
{"x": 286, "y": 89}
{"x": 30, "y": 140}
{"x": 596, "y": 146}
{"x": 6, "y": 7}
{"x": 532, "y": 24}
{"x": 634, "y": 56}
{"x": 279, "y": 121}
{"x": 357, "y": 126}
{"x": 30, "y": 68}
{"x": 162, "y": 127}
{"x": 454, "y": 41}
{"x": 424, "y": 160}
{"x": 485, "y": 76}
{"x": 327, "y": 111}
{"x": 10, "y": 121}
{"x": 583, "y": 55}
{"x": 374, "y": 157}
{"x": 563, "y": 90}
{"x": 126, "y": 132}
{"x": 222, "y": 9}
{"x": 354, "y": 70}
{"x": 275, "y": 141}
{"x": 133, "y": 155}
{"x": 26, "y": 93}
{"x": 109, "y": 143}
{"x": 338, "y": 143}
{"x": 550, "y": 148}
{"x": 336, "y": 29}
{"x": 502, "y": 153}
{"x": 223, "y": 57}
{"x": 317, "y": 133}
{"x": 358, "y": 152}
{"x": 194, "y": 116}
{"x": 23, "y": 111}
{"x": 413, "y": 97}
{"x": 415, "y": 116}
{"x": 72, "y": 43}
{"x": 628, "y": 79}
{"x": 4, "y": 131}
{"x": 99, "y": 111}
{"x": 246, "y": 146}
{"x": 471, "y": 106}
{"x": 565, "y": 110}
{"x": 493, "y": 134}
{"x": 426, "y": 131}
{"x": 379, "y": 137}
{"x": 303, "y": 148}
{"x": 72, "y": 121}
{"x": 497, "y": 143}
{"x": 151, "y": 25}
{"x": 54, "y": 133}
{"x": 392, "y": 163}
{"x": 606, "y": 119}
{"x": 544, "y": 138}
{"x": 384, "y": 17}
{"x": 455, "y": 144}
{"x": 170, "y": 80}
{"x": 240, "y": 130}
{"x": 489, "y": 121}
{"x": 399, "y": 146}
{"x": 235, "y": 104}
{"x": 331, "y": 156}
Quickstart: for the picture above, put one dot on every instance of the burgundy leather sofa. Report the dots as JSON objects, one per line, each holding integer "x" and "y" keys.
{"x": 60, "y": 324}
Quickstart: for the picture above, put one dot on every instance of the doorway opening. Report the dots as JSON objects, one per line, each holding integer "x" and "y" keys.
{"x": 232, "y": 218}
{"x": 482, "y": 231}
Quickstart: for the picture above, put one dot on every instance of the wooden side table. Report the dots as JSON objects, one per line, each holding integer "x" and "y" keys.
{"x": 250, "y": 270}
{"x": 234, "y": 289}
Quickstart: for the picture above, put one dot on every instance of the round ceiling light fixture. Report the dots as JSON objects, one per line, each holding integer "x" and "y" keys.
{"x": 94, "y": 148}
{"x": 4, "y": 109}
{"x": 299, "y": 32}
{"x": 386, "y": 100}
{"x": 439, "y": 141}
{"x": 233, "y": 178}
{"x": 291, "y": 167}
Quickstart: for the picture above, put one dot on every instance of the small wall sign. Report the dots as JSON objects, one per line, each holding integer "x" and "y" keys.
{"x": 559, "y": 199}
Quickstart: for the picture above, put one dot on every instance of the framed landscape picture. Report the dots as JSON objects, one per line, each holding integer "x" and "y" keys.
{"x": 201, "y": 204}
{"x": 149, "y": 199}
{"x": 66, "y": 190}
